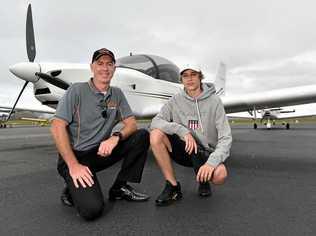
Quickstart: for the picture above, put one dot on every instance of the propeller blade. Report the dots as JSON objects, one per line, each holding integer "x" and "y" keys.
{"x": 30, "y": 47}
{"x": 12, "y": 110}
{"x": 53, "y": 80}
{"x": 30, "y": 38}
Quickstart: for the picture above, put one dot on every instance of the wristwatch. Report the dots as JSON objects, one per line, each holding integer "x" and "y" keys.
{"x": 118, "y": 134}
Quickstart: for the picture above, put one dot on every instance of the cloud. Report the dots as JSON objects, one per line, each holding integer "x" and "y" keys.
{"x": 287, "y": 72}
{"x": 265, "y": 44}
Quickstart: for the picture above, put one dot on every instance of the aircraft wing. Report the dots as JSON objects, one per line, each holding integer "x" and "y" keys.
{"x": 273, "y": 98}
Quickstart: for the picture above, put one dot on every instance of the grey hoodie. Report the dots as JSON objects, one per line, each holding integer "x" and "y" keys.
{"x": 204, "y": 117}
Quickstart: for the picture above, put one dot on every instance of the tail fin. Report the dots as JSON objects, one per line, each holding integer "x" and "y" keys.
{"x": 220, "y": 79}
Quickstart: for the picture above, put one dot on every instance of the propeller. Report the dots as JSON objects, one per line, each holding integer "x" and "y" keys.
{"x": 30, "y": 38}
{"x": 53, "y": 80}
{"x": 30, "y": 47}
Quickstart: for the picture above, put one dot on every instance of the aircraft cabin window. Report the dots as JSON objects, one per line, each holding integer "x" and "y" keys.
{"x": 154, "y": 66}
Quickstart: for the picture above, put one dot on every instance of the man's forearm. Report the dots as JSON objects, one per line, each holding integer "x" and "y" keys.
{"x": 129, "y": 127}
{"x": 62, "y": 142}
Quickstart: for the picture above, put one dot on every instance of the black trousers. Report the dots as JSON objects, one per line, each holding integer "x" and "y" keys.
{"x": 181, "y": 157}
{"x": 89, "y": 201}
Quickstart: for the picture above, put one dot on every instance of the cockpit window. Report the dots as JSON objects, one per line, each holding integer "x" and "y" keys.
{"x": 154, "y": 66}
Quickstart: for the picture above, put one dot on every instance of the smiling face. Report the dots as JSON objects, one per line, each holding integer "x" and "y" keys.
{"x": 102, "y": 69}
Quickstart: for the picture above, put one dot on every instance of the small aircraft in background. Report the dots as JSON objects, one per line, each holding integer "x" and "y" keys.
{"x": 276, "y": 117}
{"x": 147, "y": 81}
{"x": 36, "y": 116}
{"x": 269, "y": 116}
{"x": 37, "y": 121}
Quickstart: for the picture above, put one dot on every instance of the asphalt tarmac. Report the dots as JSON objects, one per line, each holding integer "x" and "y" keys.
{"x": 271, "y": 190}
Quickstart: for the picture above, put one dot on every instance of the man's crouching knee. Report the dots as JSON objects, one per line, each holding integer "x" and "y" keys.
{"x": 220, "y": 174}
{"x": 141, "y": 136}
{"x": 91, "y": 211}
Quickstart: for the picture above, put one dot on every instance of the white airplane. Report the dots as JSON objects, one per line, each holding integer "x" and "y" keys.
{"x": 7, "y": 109}
{"x": 42, "y": 115}
{"x": 148, "y": 81}
{"x": 269, "y": 116}
{"x": 274, "y": 117}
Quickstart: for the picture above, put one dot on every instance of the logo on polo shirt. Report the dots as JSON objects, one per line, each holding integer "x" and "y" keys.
{"x": 111, "y": 105}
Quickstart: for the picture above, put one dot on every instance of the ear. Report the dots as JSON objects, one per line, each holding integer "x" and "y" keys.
{"x": 91, "y": 66}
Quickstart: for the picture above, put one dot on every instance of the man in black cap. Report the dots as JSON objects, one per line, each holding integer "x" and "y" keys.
{"x": 82, "y": 130}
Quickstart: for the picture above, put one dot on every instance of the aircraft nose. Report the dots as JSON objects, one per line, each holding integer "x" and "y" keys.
{"x": 26, "y": 71}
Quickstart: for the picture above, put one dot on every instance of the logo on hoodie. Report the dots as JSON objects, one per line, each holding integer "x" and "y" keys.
{"x": 193, "y": 124}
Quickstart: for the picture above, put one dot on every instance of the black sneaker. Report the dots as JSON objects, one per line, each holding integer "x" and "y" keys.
{"x": 169, "y": 194}
{"x": 205, "y": 189}
{"x": 66, "y": 198}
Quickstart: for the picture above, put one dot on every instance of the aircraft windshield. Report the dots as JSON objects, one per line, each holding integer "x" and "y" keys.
{"x": 154, "y": 66}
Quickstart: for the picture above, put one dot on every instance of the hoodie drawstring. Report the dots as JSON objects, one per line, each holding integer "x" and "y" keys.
{"x": 199, "y": 115}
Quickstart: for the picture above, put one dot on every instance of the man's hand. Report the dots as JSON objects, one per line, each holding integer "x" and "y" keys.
{"x": 205, "y": 173}
{"x": 190, "y": 144}
{"x": 107, "y": 146}
{"x": 81, "y": 174}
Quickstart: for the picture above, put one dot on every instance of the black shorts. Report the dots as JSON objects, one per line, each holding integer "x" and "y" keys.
{"x": 180, "y": 156}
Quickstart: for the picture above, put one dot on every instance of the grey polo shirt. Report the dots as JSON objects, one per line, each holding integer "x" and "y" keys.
{"x": 84, "y": 109}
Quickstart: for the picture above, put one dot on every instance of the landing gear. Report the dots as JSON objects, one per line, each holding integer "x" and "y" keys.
{"x": 255, "y": 126}
{"x": 287, "y": 126}
{"x": 3, "y": 126}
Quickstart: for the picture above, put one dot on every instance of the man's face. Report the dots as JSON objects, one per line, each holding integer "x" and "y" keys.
{"x": 191, "y": 80}
{"x": 103, "y": 69}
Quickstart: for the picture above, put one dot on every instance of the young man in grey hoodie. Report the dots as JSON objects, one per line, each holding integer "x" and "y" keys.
{"x": 193, "y": 130}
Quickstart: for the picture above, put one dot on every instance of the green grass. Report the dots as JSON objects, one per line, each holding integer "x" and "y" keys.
{"x": 23, "y": 122}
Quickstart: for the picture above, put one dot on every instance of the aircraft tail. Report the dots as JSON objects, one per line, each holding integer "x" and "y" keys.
{"x": 220, "y": 79}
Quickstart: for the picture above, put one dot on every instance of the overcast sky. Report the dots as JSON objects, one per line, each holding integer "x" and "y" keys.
{"x": 265, "y": 44}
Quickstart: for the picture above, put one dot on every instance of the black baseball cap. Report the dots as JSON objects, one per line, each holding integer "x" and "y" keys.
{"x": 101, "y": 52}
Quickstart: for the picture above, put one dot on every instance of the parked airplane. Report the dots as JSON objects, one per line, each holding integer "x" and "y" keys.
{"x": 7, "y": 109}
{"x": 37, "y": 121}
{"x": 269, "y": 116}
{"x": 148, "y": 81}
{"x": 276, "y": 117}
{"x": 42, "y": 116}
